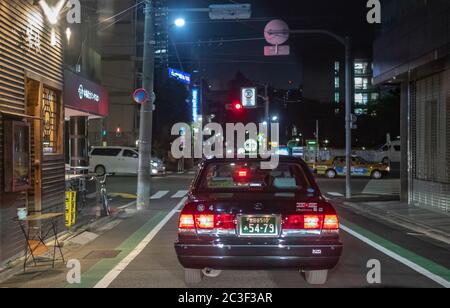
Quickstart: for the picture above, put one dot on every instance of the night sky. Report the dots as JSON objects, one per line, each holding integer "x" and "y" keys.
{"x": 220, "y": 61}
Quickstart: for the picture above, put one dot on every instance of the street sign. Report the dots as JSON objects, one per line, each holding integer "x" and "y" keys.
{"x": 276, "y": 32}
{"x": 230, "y": 11}
{"x": 141, "y": 96}
{"x": 180, "y": 76}
{"x": 282, "y": 50}
{"x": 248, "y": 97}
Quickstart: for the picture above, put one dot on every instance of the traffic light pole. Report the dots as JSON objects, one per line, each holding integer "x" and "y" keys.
{"x": 346, "y": 42}
{"x": 146, "y": 121}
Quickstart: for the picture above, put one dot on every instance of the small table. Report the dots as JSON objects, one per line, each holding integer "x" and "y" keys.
{"x": 52, "y": 231}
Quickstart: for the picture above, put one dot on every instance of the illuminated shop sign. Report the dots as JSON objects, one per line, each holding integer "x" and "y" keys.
{"x": 180, "y": 76}
{"x": 84, "y": 95}
{"x": 195, "y": 105}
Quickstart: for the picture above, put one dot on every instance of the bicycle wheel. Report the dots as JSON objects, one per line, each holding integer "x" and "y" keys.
{"x": 106, "y": 208}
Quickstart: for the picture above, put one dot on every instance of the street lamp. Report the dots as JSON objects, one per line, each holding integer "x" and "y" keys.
{"x": 180, "y": 22}
{"x": 275, "y": 118}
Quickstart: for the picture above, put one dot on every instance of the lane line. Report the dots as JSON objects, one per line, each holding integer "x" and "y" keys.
{"x": 159, "y": 194}
{"x": 414, "y": 266}
{"x": 119, "y": 268}
{"x": 180, "y": 194}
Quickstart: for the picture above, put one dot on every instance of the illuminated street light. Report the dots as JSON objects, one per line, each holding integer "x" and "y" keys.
{"x": 180, "y": 22}
{"x": 274, "y": 118}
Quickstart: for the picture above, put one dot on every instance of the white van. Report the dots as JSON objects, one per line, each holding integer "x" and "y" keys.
{"x": 120, "y": 160}
{"x": 389, "y": 153}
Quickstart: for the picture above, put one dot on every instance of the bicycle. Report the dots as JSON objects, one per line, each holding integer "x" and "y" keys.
{"x": 101, "y": 179}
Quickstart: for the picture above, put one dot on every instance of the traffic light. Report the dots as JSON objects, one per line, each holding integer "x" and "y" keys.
{"x": 237, "y": 106}
{"x": 118, "y": 131}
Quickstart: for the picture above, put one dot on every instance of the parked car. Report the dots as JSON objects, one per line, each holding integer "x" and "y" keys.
{"x": 120, "y": 160}
{"x": 389, "y": 153}
{"x": 360, "y": 168}
{"x": 240, "y": 216}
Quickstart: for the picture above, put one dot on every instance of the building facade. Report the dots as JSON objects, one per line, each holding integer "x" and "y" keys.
{"x": 31, "y": 118}
{"x": 413, "y": 51}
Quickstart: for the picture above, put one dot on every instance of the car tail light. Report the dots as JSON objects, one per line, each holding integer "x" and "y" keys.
{"x": 193, "y": 221}
{"x": 312, "y": 222}
{"x": 204, "y": 221}
{"x": 225, "y": 222}
{"x": 186, "y": 222}
{"x": 331, "y": 222}
{"x": 293, "y": 222}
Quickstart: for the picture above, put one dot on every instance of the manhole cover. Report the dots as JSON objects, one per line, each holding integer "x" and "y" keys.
{"x": 102, "y": 254}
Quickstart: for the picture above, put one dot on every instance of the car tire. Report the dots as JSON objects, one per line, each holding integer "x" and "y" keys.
{"x": 386, "y": 161}
{"x": 331, "y": 174}
{"x": 100, "y": 170}
{"x": 316, "y": 277}
{"x": 192, "y": 276}
{"x": 211, "y": 273}
{"x": 377, "y": 175}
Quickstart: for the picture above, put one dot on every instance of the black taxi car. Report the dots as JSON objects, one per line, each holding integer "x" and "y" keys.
{"x": 240, "y": 216}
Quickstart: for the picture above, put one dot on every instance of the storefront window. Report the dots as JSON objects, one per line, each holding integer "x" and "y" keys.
{"x": 361, "y": 98}
{"x": 50, "y": 116}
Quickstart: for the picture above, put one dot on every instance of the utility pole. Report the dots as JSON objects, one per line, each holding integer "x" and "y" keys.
{"x": 317, "y": 141}
{"x": 146, "y": 124}
{"x": 348, "y": 116}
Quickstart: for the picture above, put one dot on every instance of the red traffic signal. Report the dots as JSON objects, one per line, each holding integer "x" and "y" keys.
{"x": 237, "y": 106}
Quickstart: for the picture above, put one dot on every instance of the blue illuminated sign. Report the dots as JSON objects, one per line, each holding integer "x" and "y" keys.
{"x": 195, "y": 105}
{"x": 180, "y": 76}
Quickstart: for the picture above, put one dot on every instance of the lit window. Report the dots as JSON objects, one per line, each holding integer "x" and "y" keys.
{"x": 375, "y": 96}
{"x": 361, "y": 83}
{"x": 337, "y": 67}
{"x": 337, "y": 97}
{"x": 336, "y": 82}
{"x": 361, "y": 98}
{"x": 362, "y": 68}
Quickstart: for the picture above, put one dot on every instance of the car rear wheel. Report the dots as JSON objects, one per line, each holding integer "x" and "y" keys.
{"x": 331, "y": 174}
{"x": 193, "y": 276}
{"x": 377, "y": 175}
{"x": 316, "y": 277}
{"x": 100, "y": 170}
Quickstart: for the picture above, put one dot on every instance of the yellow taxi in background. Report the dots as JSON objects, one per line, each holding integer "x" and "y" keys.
{"x": 335, "y": 167}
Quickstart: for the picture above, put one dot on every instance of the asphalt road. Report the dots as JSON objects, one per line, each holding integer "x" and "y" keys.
{"x": 142, "y": 253}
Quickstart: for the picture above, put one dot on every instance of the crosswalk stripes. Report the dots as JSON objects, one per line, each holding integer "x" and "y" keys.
{"x": 382, "y": 187}
{"x": 180, "y": 194}
{"x": 159, "y": 194}
{"x": 335, "y": 194}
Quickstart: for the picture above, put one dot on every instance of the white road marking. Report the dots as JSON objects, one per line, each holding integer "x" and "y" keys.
{"x": 398, "y": 258}
{"x": 180, "y": 194}
{"x": 119, "y": 268}
{"x": 335, "y": 194}
{"x": 159, "y": 194}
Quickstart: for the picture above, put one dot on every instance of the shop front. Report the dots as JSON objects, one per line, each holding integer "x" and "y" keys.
{"x": 31, "y": 119}
{"x": 84, "y": 101}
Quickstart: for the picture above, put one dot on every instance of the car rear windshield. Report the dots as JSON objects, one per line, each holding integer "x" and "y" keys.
{"x": 250, "y": 177}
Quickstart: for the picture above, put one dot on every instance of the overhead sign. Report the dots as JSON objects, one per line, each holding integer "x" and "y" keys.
{"x": 84, "y": 95}
{"x": 272, "y": 51}
{"x": 141, "y": 96}
{"x": 180, "y": 76}
{"x": 230, "y": 11}
{"x": 249, "y": 97}
{"x": 276, "y": 32}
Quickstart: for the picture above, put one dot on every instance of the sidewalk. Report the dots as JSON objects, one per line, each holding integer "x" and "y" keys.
{"x": 423, "y": 221}
{"x": 87, "y": 229}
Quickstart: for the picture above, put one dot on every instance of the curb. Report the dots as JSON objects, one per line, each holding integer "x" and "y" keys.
{"x": 15, "y": 266}
{"x": 401, "y": 221}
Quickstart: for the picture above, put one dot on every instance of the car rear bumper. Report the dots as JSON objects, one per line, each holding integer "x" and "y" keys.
{"x": 303, "y": 257}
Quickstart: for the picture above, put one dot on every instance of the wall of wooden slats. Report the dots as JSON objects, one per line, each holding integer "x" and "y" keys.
{"x": 19, "y": 59}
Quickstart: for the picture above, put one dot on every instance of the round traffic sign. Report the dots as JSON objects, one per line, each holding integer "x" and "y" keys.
{"x": 276, "y": 32}
{"x": 141, "y": 96}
